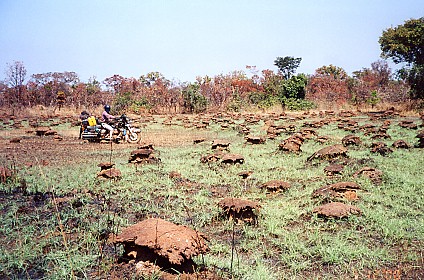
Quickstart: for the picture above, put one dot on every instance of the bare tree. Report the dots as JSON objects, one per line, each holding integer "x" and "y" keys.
{"x": 16, "y": 74}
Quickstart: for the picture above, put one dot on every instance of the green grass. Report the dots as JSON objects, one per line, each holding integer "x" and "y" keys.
{"x": 289, "y": 242}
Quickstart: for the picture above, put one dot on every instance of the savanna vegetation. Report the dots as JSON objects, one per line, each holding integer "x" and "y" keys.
{"x": 60, "y": 219}
{"x": 154, "y": 93}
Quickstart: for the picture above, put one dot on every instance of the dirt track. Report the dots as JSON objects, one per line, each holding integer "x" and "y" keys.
{"x": 42, "y": 150}
{"x": 36, "y": 150}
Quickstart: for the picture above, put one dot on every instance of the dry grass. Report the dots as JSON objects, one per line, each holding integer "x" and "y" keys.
{"x": 288, "y": 242}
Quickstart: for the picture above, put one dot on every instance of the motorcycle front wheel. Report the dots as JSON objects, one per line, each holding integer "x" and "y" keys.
{"x": 133, "y": 137}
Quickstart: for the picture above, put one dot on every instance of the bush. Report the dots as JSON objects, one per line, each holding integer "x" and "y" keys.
{"x": 126, "y": 102}
{"x": 122, "y": 102}
{"x": 373, "y": 99}
{"x": 194, "y": 101}
{"x": 263, "y": 100}
{"x": 139, "y": 104}
{"x": 294, "y": 104}
{"x": 294, "y": 87}
{"x": 236, "y": 103}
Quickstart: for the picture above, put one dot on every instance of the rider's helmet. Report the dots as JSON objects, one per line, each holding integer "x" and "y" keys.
{"x": 107, "y": 108}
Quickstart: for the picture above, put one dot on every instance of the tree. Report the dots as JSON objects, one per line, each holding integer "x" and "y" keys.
{"x": 405, "y": 44}
{"x": 16, "y": 74}
{"x": 287, "y": 65}
{"x": 49, "y": 84}
{"x": 194, "y": 102}
{"x": 295, "y": 87}
{"x": 365, "y": 81}
{"x": 330, "y": 84}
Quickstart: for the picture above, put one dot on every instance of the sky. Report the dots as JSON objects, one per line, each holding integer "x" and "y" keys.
{"x": 183, "y": 39}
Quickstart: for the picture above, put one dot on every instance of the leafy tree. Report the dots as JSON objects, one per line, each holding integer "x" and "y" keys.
{"x": 373, "y": 99}
{"x": 295, "y": 87}
{"x": 292, "y": 93}
{"x": 93, "y": 86}
{"x": 405, "y": 44}
{"x": 287, "y": 65}
{"x": 194, "y": 101}
{"x": 150, "y": 78}
{"x": 115, "y": 83}
{"x": 332, "y": 71}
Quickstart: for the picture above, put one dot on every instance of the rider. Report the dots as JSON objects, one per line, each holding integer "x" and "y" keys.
{"x": 106, "y": 118}
{"x": 84, "y": 123}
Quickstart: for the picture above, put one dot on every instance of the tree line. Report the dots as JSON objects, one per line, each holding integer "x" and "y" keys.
{"x": 236, "y": 90}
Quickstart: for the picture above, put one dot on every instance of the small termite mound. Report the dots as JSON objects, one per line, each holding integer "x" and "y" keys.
{"x": 275, "y": 186}
{"x": 215, "y": 157}
{"x": 105, "y": 165}
{"x": 345, "y": 190}
{"x": 255, "y": 139}
{"x": 329, "y": 152}
{"x": 374, "y": 174}
{"x": 292, "y": 144}
{"x": 351, "y": 140}
{"x": 420, "y": 137}
{"x": 240, "y": 210}
{"x": 336, "y": 210}
{"x": 408, "y": 124}
{"x": 232, "y": 159}
{"x": 144, "y": 154}
{"x": 333, "y": 170}
{"x": 199, "y": 140}
{"x": 220, "y": 145}
{"x": 401, "y": 144}
{"x": 380, "y": 148}
{"x": 245, "y": 174}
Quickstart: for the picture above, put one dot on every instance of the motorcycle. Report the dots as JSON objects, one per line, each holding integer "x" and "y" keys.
{"x": 93, "y": 131}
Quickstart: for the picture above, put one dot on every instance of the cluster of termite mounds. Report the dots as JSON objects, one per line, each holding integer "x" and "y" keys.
{"x": 221, "y": 154}
{"x": 145, "y": 153}
{"x": 293, "y": 144}
{"x": 156, "y": 244}
{"x": 108, "y": 171}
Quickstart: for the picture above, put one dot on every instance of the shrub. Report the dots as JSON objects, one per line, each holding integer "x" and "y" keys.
{"x": 194, "y": 101}
{"x": 139, "y": 104}
{"x": 294, "y": 104}
{"x": 236, "y": 103}
{"x": 295, "y": 87}
{"x": 263, "y": 100}
{"x": 122, "y": 102}
{"x": 373, "y": 99}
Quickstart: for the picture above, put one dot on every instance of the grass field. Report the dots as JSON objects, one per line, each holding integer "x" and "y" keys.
{"x": 57, "y": 217}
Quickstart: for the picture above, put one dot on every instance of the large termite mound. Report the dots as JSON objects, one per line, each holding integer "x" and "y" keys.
{"x": 164, "y": 243}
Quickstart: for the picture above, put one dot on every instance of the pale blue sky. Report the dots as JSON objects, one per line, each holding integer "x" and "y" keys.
{"x": 184, "y": 39}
